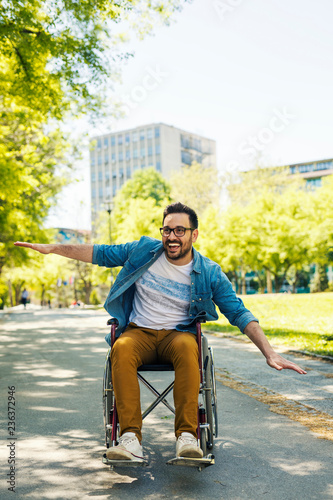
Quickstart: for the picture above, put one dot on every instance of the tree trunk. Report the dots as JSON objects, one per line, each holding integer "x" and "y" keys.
{"x": 269, "y": 281}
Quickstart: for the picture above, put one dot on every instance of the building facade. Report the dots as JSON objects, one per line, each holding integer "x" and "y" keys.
{"x": 312, "y": 172}
{"x": 114, "y": 157}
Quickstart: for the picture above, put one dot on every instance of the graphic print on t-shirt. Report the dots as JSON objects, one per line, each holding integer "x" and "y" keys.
{"x": 154, "y": 289}
{"x": 162, "y": 295}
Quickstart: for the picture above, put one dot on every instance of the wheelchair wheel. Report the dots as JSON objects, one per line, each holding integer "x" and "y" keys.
{"x": 213, "y": 421}
{"x": 203, "y": 440}
{"x": 210, "y": 392}
{"x": 108, "y": 401}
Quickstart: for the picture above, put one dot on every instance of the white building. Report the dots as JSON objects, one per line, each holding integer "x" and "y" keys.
{"x": 115, "y": 156}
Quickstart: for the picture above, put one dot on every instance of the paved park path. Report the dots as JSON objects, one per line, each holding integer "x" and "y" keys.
{"x": 273, "y": 442}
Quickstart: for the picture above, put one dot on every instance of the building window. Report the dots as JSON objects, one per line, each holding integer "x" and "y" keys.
{"x": 128, "y": 172}
{"x": 158, "y": 166}
{"x": 306, "y": 168}
{"x": 186, "y": 158}
{"x": 135, "y": 136}
{"x": 93, "y": 176}
{"x": 120, "y": 139}
{"x": 120, "y": 156}
{"x": 106, "y": 142}
{"x": 157, "y": 131}
{"x": 127, "y": 138}
{"x": 99, "y": 143}
{"x": 128, "y": 154}
{"x": 143, "y": 152}
{"x": 135, "y": 153}
{"x": 93, "y": 193}
{"x": 157, "y": 149}
{"x": 150, "y": 133}
{"x": 150, "y": 150}
{"x": 142, "y": 135}
{"x": 312, "y": 184}
{"x": 324, "y": 165}
{"x": 100, "y": 176}
{"x": 113, "y": 140}
{"x": 99, "y": 160}
{"x": 185, "y": 142}
{"x": 100, "y": 192}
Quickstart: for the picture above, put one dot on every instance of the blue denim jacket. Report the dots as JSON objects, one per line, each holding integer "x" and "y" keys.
{"x": 209, "y": 285}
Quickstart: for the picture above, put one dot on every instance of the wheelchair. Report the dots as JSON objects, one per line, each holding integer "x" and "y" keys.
{"x": 207, "y": 429}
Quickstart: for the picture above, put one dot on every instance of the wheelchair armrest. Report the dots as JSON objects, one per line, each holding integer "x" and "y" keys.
{"x": 113, "y": 321}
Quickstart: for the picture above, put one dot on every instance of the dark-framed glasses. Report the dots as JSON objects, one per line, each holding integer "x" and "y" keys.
{"x": 178, "y": 231}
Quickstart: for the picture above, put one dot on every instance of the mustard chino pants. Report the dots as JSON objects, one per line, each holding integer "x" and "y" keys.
{"x": 137, "y": 346}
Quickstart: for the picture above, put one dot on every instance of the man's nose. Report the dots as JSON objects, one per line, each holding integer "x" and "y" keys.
{"x": 172, "y": 236}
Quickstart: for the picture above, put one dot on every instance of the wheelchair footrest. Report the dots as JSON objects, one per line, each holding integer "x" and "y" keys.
{"x": 124, "y": 463}
{"x": 200, "y": 463}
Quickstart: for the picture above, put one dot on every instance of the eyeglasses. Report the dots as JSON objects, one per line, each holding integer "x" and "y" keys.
{"x": 178, "y": 231}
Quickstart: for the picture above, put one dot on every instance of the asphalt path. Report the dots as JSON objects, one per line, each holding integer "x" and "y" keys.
{"x": 55, "y": 359}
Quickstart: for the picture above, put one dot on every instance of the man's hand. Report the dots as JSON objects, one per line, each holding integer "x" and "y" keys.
{"x": 39, "y": 247}
{"x": 256, "y": 334}
{"x": 279, "y": 363}
{"x": 83, "y": 252}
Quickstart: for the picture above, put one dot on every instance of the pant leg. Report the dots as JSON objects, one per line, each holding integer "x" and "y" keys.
{"x": 181, "y": 349}
{"x": 132, "y": 349}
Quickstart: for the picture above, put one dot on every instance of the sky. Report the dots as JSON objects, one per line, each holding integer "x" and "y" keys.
{"x": 254, "y": 75}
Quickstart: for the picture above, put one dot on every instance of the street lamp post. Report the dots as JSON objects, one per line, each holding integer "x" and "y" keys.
{"x": 109, "y": 207}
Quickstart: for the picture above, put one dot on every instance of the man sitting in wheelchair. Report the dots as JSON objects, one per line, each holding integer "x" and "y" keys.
{"x": 161, "y": 291}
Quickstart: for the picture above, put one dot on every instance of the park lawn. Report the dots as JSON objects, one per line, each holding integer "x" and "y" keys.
{"x": 301, "y": 321}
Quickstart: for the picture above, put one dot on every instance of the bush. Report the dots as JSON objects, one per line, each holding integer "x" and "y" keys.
{"x": 94, "y": 298}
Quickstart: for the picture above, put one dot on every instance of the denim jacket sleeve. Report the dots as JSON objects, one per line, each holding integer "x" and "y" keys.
{"x": 229, "y": 304}
{"x": 112, "y": 255}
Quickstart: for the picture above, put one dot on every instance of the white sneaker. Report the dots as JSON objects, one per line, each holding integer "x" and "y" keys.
{"x": 128, "y": 448}
{"x": 187, "y": 446}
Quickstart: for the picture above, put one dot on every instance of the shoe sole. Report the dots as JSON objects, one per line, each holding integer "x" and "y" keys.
{"x": 114, "y": 454}
{"x": 190, "y": 455}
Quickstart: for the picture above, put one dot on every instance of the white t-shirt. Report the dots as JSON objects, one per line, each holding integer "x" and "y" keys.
{"x": 162, "y": 295}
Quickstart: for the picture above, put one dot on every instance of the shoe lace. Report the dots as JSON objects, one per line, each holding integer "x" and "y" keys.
{"x": 125, "y": 440}
{"x": 188, "y": 440}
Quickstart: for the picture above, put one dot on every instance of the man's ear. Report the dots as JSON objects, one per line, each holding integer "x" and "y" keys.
{"x": 195, "y": 235}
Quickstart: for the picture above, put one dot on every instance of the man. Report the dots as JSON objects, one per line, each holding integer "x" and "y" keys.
{"x": 157, "y": 297}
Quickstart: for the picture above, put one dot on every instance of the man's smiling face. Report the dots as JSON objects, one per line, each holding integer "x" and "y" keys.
{"x": 178, "y": 250}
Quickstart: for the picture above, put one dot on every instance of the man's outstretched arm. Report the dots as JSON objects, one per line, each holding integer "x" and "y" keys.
{"x": 256, "y": 334}
{"x": 76, "y": 252}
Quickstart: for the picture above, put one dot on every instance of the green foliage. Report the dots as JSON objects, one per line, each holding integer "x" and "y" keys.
{"x": 144, "y": 184}
{"x": 57, "y": 55}
{"x": 196, "y": 186}
{"x": 30, "y": 178}
{"x": 94, "y": 298}
{"x": 138, "y": 208}
{"x": 303, "y": 321}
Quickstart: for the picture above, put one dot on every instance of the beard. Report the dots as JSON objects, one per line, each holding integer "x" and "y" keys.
{"x": 176, "y": 253}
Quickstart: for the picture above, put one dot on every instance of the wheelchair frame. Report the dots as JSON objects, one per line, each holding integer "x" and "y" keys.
{"x": 207, "y": 428}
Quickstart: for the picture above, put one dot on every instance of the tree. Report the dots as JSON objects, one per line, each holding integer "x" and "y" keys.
{"x": 138, "y": 206}
{"x": 57, "y": 56}
{"x": 55, "y": 60}
{"x": 32, "y": 171}
{"x": 197, "y": 187}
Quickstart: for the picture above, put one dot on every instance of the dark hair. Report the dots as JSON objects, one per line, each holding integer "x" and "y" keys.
{"x": 180, "y": 208}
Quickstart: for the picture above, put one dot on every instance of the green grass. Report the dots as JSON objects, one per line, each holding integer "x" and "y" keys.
{"x": 303, "y": 322}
